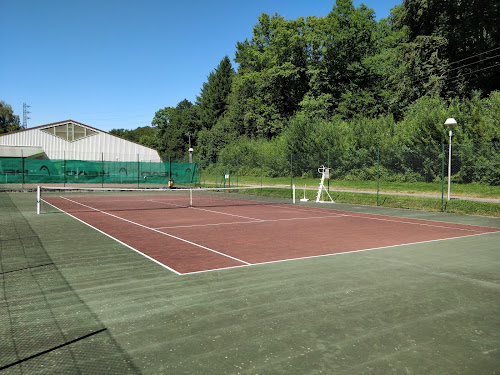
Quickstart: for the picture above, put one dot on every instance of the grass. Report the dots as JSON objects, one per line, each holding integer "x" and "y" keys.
{"x": 476, "y": 190}
{"x": 421, "y": 203}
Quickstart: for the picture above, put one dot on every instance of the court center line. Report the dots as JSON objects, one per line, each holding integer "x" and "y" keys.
{"x": 158, "y": 231}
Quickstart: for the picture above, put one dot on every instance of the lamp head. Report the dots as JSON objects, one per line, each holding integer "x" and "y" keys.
{"x": 450, "y": 122}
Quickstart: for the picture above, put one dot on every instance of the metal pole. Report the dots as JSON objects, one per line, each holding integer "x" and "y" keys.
{"x": 378, "y": 172}
{"x": 38, "y": 200}
{"x": 449, "y": 167}
{"x": 261, "y": 172}
{"x": 291, "y": 172}
{"x": 442, "y": 178}
{"x": 102, "y": 168}
{"x": 22, "y": 165}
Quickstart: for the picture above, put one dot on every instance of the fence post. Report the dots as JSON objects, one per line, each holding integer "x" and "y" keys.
{"x": 261, "y": 171}
{"x": 378, "y": 171}
{"x": 291, "y": 174}
{"x": 169, "y": 168}
{"x": 442, "y": 178}
{"x": 102, "y": 168}
{"x": 216, "y": 162}
{"x": 22, "y": 165}
{"x": 138, "y": 171}
{"x": 64, "y": 168}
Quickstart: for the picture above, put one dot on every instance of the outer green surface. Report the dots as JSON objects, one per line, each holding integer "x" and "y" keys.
{"x": 422, "y": 309}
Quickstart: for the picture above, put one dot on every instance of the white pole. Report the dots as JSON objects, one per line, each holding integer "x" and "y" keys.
{"x": 38, "y": 200}
{"x": 449, "y": 167}
{"x": 293, "y": 187}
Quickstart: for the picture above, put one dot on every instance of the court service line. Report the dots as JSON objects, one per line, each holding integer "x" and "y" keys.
{"x": 225, "y": 213}
{"x": 158, "y": 231}
{"x": 333, "y": 254}
{"x": 250, "y": 222}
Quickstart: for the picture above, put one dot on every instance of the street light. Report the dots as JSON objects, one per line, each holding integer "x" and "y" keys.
{"x": 190, "y": 148}
{"x": 451, "y": 123}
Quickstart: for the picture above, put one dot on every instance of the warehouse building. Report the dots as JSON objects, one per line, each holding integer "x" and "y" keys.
{"x": 72, "y": 140}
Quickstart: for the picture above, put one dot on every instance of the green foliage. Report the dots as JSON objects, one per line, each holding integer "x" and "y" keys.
{"x": 8, "y": 120}
{"x": 213, "y": 100}
{"x": 344, "y": 85}
{"x": 175, "y": 127}
{"x": 145, "y": 135}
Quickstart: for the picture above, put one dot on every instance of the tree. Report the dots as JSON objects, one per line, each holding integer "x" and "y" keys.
{"x": 8, "y": 120}
{"x": 472, "y": 33}
{"x": 144, "y": 135}
{"x": 175, "y": 126}
{"x": 213, "y": 100}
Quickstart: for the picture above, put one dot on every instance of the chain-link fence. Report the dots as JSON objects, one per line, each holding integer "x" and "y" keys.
{"x": 102, "y": 172}
{"x": 475, "y": 170}
{"x": 418, "y": 171}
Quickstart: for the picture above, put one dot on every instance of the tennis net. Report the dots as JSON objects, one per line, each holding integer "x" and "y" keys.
{"x": 67, "y": 199}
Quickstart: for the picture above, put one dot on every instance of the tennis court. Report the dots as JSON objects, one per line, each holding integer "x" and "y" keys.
{"x": 243, "y": 284}
{"x": 230, "y": 229}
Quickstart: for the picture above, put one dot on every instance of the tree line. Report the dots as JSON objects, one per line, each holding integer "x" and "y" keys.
{"x": 347, "y": 81}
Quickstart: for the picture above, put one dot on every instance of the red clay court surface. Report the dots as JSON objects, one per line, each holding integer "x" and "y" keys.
{"x": 190, "y": 240}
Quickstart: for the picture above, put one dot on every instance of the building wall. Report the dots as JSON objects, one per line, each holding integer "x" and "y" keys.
{"x": 99, "y": 146}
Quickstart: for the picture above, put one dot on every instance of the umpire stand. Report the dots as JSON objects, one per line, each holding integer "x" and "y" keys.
{"x": 325, "y": 174}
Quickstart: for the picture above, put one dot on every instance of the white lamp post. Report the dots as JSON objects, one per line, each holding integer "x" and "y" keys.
{"x": 190, "y": 148}
{"x": 451, "y": 123}
{"x": 190, "y": 155}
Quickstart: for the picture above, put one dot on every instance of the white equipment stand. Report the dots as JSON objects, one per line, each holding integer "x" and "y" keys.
{"x": 325, "y": 173}
{"x": 304, "y": 199}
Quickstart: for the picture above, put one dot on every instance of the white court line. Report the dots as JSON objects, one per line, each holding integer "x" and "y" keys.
{"x": 369, "y": 216}
{"x": 333, "y": 254}
{"x": 225, "y": 213}
{"x": 117, "y": 240}
{"x": 247, "y": 264}
{"x": 158, "y": 231}
{"x": 251, "y": 222}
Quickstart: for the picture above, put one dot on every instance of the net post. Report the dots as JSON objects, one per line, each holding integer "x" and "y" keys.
{"x": 38, "y": 200}
{"x": 293, "y": 194}
{"x": 190, "y": 197}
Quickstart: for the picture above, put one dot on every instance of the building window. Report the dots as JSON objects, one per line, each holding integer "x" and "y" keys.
{"x": 70, "y": 132}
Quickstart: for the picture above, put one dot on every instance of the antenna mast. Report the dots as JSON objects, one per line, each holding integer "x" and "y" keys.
{"x": 25, "y": 115}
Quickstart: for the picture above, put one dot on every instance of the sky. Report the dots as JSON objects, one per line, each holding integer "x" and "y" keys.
{"x": 113, "y": 63}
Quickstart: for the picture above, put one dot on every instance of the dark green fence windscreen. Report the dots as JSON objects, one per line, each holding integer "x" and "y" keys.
{"x": 34, "y": 171}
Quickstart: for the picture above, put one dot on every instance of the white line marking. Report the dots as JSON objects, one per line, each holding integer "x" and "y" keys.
{"x": 251, "y": 222}
{"x": 412, "y": 223}
{"x": 117, "y": 240}
{"x": 339, "y": 253}
{"x": 225, "y": 213}
{"x": 155, "y": 230}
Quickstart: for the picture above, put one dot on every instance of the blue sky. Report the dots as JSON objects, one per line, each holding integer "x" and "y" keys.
{"x": 114, "y": 63}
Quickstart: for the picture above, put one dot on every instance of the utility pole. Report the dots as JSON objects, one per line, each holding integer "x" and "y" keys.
{"x": 25, "y": 115}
